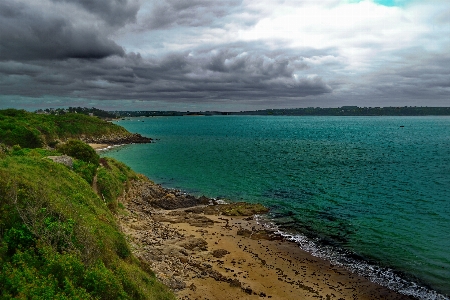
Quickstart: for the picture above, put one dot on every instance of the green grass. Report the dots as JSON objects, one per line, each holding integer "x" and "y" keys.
{"x": 59, "y": 240}
{"x": 31, "y": 130}
{"x": 113, "y": 178}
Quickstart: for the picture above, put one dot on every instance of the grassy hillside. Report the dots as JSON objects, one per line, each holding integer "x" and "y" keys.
{"x": 30, "y": 130}
{"x": 58, "y": 238}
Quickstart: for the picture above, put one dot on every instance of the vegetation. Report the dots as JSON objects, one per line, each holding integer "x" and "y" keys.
{"x": 79, "y": 110}
{"x": 58, "y": 238}
{"x": 353, "y": 111}
{"x": 30, "y": 130}
{"x": 112, "y": 179}
{"x": 80, "y": 150}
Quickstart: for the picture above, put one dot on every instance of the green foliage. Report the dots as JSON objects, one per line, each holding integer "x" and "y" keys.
{"x": 80, "y": 110}
{"x": 30, "y": 130}
{"x": 112, "y": 179}
{"x": 17, "y": 238}
{"x": 43, "y": 274}
{"x": 85, "y": 170}
{"x": 80, "y": 150}
{"x": 37, "y": 152}
{"x": 102, "y": 283}
{"x": 58, "y": 240}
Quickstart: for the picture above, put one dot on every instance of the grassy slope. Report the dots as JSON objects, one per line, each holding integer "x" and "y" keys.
{"x": 33, "y": 130}
{"x": 58, "y": 239}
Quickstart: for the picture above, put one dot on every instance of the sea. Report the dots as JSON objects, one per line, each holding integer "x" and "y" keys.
{"x": 371, "y": 194}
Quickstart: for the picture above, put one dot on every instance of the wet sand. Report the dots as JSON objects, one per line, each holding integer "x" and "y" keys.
{"x": 204, "y": 256}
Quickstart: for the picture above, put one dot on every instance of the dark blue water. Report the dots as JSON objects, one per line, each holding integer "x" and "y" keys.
{"x": 370, "y": 193}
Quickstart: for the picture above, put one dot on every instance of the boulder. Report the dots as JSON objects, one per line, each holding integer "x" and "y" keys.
{"x": 62, "y": 159}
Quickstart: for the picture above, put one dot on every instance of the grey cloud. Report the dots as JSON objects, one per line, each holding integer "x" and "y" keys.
{"x": 115, "y": 12}
{"x": 195, "y": 13}
{"x": 27, "y": 34}
{"x": 209, "y": 74}
{"x": 253, "y": 65}
{"x": 421, "y": 79}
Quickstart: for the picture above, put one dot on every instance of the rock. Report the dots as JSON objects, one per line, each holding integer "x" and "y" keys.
{"x": 219, "y": 253}
{"x": 217, "y": 276}
{"x": 243, "y": 209}
{"x": 133, "y": 138}
{"x": 176, "y": 284}
{"x": 171, "y": 201}
{"x": 235, "y": 283}
{"x": 62, "y": 159}
{"x": 244, "y": 232}
{"x": 232, "y": 209}
{"x": 259, "y": 234}
{"x": 195, "y": 244}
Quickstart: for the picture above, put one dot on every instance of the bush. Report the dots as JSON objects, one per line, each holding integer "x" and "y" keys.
{"x": 85, "y": 170}
{"x": 112, "y": 179}
{"x": 21, "y": 135}
{"x": 81, "y": 151}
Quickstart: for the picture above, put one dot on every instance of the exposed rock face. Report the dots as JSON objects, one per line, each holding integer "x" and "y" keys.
{"x": 177, "y": 200}
{"x": 134, "y": 138}
{"x": 62, "y": 159}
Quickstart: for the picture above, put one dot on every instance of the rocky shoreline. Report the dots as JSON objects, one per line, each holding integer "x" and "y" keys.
{"x": 133, "y": 138}
{"x": 205, "y": 250}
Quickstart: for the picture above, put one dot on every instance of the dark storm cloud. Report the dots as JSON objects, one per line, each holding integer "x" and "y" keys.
{"x": 208, "y": 74}
{"x": 28, "y": 33}
{"x": 195, "y": 13}
{"x": 70, "y": 48}
{"x": 115, "y": 12}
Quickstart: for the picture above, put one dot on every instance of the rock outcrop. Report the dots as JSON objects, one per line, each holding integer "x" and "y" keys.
{"x": 134, "y": 138}
{"x": 62, "y": 159}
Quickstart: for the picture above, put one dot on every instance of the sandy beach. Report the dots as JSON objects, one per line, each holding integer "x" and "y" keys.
{"x": 99, "y": 146}
{"x": 203, "y": 254}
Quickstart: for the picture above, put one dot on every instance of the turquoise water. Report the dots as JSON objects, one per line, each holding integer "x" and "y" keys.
{"x": 370, "y": 193}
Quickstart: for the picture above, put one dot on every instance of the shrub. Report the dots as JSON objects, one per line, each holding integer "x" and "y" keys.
{"x": 18, "y": 237}
{"x": 85, "y": 170}
{"x": 81, "y": 151}
{"x": 21, "y": 135}
{"x": 112, "y": 180}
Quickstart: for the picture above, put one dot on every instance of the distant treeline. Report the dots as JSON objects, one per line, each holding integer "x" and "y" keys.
{"x": 309, "y": 111}
{"x": 78, "y": 110}
{"x": 354, "y": 111}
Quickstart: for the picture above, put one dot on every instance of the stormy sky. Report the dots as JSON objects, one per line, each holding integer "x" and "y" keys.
{"x": 224, "y": 54}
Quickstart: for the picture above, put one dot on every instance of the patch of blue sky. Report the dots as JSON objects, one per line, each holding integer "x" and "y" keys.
{"x": 386, "y": 2}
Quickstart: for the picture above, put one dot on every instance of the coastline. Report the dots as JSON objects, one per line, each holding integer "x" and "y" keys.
{"x": 201, "y": 253}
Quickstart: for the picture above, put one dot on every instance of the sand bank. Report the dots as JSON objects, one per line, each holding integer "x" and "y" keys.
{"x": 99, "y": 146}
{"x": 201, "y": 255}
